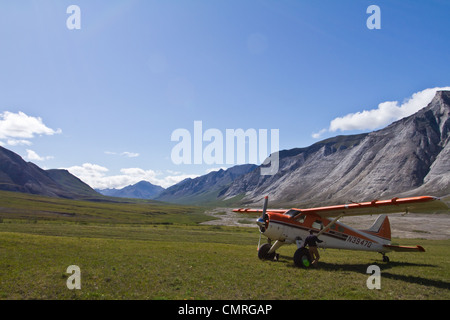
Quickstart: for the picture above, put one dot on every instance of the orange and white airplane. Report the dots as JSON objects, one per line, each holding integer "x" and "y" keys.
{"x": 293, "y": 226}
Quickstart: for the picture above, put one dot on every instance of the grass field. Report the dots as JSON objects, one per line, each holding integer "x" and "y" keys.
{"x": 106, "y": 211}
{"x": 167, "y": 255}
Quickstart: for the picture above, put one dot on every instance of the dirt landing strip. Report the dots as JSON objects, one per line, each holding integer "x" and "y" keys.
{"x": 425, "y": 226}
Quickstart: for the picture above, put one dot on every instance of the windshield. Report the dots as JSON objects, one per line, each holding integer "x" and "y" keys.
{"x": 292, "y": 212}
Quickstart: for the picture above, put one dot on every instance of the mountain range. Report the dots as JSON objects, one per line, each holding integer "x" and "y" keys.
{"x": 409, "y": 157}
{"x": 21, "y": 176}
{"x": 140, "y": 190}
{"x": 205, "y": 189}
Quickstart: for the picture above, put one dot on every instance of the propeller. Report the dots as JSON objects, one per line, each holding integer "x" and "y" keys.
{"x": 264, "y": 214}
{"x": 262, "y": 221}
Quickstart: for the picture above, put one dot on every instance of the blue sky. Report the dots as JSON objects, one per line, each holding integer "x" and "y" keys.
{"x": 104, "y": 100}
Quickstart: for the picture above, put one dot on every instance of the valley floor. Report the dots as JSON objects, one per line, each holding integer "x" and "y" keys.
{"x": 149, "y": 250}
{"x": 176, "y": 262}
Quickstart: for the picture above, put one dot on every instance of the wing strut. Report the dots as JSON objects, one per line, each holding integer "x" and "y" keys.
{"x": 330, "y": 224}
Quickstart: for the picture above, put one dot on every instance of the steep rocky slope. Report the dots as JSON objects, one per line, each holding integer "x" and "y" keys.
{"x": 409, "y": 157}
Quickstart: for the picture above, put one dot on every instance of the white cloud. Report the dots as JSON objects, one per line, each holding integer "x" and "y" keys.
{"x": 124, "y": 154}
{"x": 33, "y": 156}
{"x": 88, "y": 170}
{"x": 386, "y": 113}
{"x": 174, "y": 179}
{"x": 317, "y": 135}
{"x": 130, "y": 154}
{"x": 215, "y": 169}
{"x": 21, "y": 126}
{"x": 20, "y": 142}
{"x": 96, "y": 176}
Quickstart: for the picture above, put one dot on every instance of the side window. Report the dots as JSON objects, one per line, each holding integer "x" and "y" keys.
{"x": 302, "y": 218}
{"x": 317, "y": 224}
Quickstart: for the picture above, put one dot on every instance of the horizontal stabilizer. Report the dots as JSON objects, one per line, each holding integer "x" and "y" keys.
{"x": 404, "y": 249}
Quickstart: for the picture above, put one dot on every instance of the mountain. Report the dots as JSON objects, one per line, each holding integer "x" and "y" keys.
{"x": 140, "y": 190}
{"x": 19, "y": 175}
{"x": 409, "y": 157}
{"x": 204, "y": 189}
{"x": 71, "y": 183}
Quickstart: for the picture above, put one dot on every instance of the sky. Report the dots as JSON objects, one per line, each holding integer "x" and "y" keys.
{"x": 100, "y": 89}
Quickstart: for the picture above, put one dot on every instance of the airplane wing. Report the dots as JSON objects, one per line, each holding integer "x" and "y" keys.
{"x": 421, "y": 204}
{"x": 245, "y": 210}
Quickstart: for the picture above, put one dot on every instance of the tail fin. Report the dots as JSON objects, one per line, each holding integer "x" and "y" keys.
{"x": 381, "y": 228}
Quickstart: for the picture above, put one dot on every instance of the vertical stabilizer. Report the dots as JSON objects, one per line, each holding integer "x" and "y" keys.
{"x": 381, "y": 228}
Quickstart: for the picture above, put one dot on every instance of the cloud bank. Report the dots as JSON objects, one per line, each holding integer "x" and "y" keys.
{"x": 97, "y": 176}
{"x": 386, "y": 113}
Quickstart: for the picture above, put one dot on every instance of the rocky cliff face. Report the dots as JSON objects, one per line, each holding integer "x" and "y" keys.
{"x": 411, "y": 156}
{"x": 437, "y": 180}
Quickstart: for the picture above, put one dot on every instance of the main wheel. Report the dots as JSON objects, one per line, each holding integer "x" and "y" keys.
{"x": 263, "y": 252}
{"x": 302, "y": 258}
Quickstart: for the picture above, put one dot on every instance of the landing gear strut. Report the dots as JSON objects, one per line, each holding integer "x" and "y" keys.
{"x": 263, "y": 252}
{"x": 267, "y": 251}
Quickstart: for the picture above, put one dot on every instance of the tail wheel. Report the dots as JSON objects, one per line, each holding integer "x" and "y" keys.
{"x": 263, "y": 252}
{"x": 302, "y": 258}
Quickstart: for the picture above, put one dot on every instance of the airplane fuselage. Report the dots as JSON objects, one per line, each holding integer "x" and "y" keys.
{"x": 294, "y": 225}
{"x": 281, "y": 227}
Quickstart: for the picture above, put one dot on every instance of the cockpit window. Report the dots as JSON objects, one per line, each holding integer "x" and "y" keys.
{"x": 317, "y": 224}
{"x": 292, "y": 212}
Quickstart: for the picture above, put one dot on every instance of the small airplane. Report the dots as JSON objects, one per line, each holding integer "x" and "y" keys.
{"x": 294, "y": 225}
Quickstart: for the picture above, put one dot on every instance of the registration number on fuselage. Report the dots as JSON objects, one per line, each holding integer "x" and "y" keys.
{"x": 359, "y": 241}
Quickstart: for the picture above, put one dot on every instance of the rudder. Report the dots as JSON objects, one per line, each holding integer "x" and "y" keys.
{"x": 381, "y": 227}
